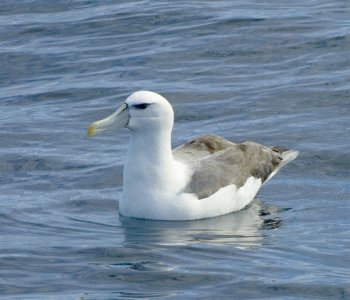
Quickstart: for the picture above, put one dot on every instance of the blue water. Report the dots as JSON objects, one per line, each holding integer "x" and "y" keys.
{"x": 276, "y": 72}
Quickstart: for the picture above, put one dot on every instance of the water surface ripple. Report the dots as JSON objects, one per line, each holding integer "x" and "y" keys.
{"x": 275, "y": 73}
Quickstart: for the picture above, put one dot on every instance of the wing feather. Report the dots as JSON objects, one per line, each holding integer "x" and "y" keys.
{"x": 217, "y": 162}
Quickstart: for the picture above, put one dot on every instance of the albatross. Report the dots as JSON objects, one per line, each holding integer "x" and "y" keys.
{"x": 206, "y": 177}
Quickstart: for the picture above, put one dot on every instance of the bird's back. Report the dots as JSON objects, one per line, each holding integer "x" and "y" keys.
{"x": 217, "y": 162}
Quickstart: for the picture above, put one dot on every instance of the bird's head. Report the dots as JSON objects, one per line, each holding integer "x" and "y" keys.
{"x": 141, "y": 111}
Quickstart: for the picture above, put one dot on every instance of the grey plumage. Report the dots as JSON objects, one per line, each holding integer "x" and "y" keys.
{"x": 217, "y": 162}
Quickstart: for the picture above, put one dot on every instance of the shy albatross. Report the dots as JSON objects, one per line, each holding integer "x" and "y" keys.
{"x": 205, "y": 177}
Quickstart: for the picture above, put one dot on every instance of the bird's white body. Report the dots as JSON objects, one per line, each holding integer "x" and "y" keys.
{"x": 155, "y": 182}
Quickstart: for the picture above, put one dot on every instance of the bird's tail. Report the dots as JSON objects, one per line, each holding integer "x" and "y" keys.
{"x": 287, "y": 157}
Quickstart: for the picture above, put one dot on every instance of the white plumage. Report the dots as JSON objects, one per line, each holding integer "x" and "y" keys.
{"x": 206, "y": 177}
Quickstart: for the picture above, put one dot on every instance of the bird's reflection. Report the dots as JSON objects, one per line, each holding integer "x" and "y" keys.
{"x": 242, "y": 229}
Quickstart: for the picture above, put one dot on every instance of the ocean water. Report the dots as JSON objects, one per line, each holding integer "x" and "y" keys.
{"x": 275, "y": 72}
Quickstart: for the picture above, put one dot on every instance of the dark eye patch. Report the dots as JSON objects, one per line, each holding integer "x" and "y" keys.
{"x": 141, "y": 106}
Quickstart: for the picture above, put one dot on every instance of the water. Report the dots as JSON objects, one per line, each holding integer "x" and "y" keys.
{"x": 275, "y": 73}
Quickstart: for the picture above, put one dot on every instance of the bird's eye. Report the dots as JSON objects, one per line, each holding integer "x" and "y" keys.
{"x": 141, "y": 106}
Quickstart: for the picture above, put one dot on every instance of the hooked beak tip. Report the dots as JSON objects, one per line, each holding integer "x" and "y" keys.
{"x": 91, "y": 130}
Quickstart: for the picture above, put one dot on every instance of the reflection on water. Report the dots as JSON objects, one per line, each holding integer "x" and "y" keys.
{"x": 241, "y": 229}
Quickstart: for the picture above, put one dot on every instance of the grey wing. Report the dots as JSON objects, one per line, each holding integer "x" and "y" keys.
{"x": 223, "y": 163}
{"x": 201, "y": 147}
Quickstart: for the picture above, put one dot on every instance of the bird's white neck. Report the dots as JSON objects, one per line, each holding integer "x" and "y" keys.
{"x": 154, "y": 148}
{"x": 150, "y": 163}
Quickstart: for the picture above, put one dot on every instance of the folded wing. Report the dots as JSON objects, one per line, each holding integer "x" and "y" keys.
{"x": 217, "y": 162}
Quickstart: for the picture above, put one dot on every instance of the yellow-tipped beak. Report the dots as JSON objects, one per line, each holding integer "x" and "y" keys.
{"x": 90, "y": 130}
{"x": 118, "y": 119}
